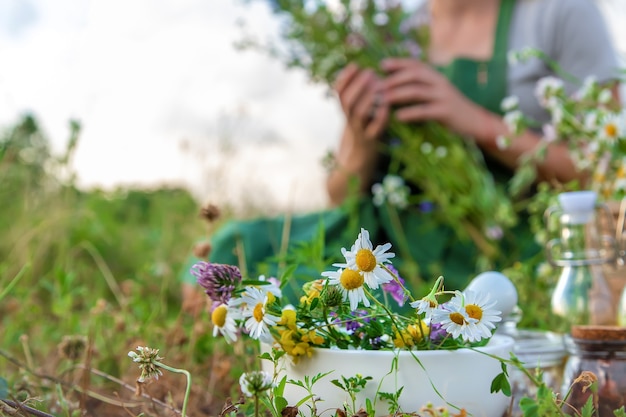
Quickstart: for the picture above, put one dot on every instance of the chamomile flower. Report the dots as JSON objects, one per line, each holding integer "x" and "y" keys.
{"x": 259, "y": 320}
{"x": 429, "y": 303}
{"x": 470, "y": 315}
{"x": 350, "y": 282}
{"x": 612, "y": 127}
{"x": 453, "y": 319}
{"x": 362, "y": 258}
{"x": 224, "y": 318}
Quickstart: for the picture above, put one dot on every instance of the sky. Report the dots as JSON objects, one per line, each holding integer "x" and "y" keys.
{"x": 163, "y": 96}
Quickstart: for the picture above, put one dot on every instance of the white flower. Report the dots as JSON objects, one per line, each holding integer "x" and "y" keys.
{"x": 513, "y": 121}
{"x": 548, "y": 87}
{"x": 587, "y": 88}
{"x": 363, "y": 259}
{"x": 591, "y": 120}
{"x": 605, "y": 96}
{"x": 273, "y": 287}
{"x": 503, "y": 142}
{"x": 612, "y": 127}
{"x": 258, "y": 320}
{"x": 426, "y": 148}
{"x": 509, "y": 103}
{"x": 470, "y": 315}
{"x": 549, "y": 133}
{"x": 425, "y": 306}
{"x": 522, "y": 55}
{"x": 255, "y": 382}
{"x": 350, "y": 282}
{"x": 441, "y": 152}
{"x": 429, "y": 303}
{"x": 454, "y": 320}
{"x": 223, "y": 318}
{"x": 392, "y": 190}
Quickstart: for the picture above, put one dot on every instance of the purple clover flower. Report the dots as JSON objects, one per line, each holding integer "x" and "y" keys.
{"x": 218, "y": 280}
{"x": 393, "y": 288}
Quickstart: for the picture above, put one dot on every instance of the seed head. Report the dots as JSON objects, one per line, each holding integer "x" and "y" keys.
{"x": 147, "y": 359}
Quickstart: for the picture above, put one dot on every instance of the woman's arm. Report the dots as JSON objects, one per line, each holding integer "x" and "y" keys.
{"x": 359, "y": 92}
{"x": 421, "y": 93}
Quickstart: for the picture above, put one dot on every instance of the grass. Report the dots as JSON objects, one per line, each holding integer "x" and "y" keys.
{"x": 97, "y": 270}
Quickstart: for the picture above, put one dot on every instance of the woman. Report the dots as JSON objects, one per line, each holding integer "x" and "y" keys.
{"x": 461, "y": 87}
{"x": 470, "y": 40}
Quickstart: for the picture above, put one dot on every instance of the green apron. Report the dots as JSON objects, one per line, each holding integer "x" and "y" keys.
{"x": 434, "y": 249}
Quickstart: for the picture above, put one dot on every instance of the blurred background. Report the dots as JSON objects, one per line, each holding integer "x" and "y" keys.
{"x": 163, "y": 96}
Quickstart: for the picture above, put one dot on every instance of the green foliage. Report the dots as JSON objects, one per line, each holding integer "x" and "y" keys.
{"x": 98, "y": 263}
{"x": 501, "y": 382}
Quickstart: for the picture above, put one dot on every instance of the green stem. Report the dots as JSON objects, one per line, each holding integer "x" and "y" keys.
{"x": 187, "y": 375}
{"x": 13, "y": 282}
{"x": 256, "y": 406}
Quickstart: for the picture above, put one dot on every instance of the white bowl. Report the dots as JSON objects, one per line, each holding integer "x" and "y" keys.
{"x": 463, "y": 377}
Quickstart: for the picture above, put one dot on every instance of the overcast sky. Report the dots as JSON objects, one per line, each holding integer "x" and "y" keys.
{"x": 159, "y": 88}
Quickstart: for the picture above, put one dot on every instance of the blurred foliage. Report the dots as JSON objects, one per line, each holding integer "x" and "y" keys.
{"x": 96, "y": 263}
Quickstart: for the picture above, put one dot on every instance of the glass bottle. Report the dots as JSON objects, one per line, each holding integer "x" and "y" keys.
{"x": 596, "y": 353}
{"x": 582, "y": 295}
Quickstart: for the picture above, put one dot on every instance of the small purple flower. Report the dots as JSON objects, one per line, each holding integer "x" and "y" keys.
{"x": 354, "y": 325}
{"x": 426, "y": 206}
{"x": 218, "y": 280}
{"x": 394, "y": 288}
{"x": 437, "y": 332}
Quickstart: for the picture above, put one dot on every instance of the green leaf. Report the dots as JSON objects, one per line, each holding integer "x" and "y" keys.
{"x": 620, "y": 412}
{"x": 501, "y": 383}
{"x": 280, "y": 403}
{"x": 280, "y": 387}
{"x": 4, "y": 389}
{"x": 529, "y": 407}
{"x": 588, "y": 410}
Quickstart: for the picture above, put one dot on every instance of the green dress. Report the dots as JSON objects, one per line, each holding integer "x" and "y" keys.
{"x": 434, "y": 249}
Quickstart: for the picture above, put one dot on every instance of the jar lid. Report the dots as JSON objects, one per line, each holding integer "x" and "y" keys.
{"x": 599, "y": 333}
{"x": 537, "y": 348}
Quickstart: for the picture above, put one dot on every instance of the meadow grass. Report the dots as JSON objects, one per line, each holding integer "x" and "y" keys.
{"x": 85, "y": 277}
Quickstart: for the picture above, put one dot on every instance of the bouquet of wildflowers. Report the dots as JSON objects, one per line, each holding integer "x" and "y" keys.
{"x": 589, "y": 121}
{"x": 349, "y": 307}
{"x": 321, "y": 37}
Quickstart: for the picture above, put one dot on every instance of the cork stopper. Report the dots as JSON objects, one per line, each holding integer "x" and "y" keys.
{"x": 599, "y": 333}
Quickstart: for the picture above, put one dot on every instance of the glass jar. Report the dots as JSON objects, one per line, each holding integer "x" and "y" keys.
{"x": 538, "y": 350}
{"x": 580, "y": 249}
{"x": 600, "y": 350}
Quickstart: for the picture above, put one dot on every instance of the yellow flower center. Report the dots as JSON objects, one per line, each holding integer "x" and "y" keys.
{"x": 218, "y": 317}
{"x": 474, "y": 311}
{"x": 258, "y": 313}
{"x": 351, "y": 279}
{"x": 610, "y": 129}
{"x": 457, "y": 318}
{"x": 365, "y": 260}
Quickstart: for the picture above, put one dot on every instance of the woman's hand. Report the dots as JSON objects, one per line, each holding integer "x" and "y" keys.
{"x": 360, "y": 95}
{"x": 420, "y": 93}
